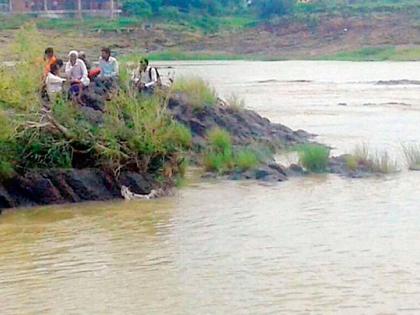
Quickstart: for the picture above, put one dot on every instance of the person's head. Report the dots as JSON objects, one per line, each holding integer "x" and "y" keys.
{"x": 59, "y": 63}
{"x": 82, "y": 55}
{"x": 49, "y": 53}
{"x": 144, "y": 63}
{"x": 105, "y": 53}
{"x": 73, "y": 55}
{"x": 54, "y": 68}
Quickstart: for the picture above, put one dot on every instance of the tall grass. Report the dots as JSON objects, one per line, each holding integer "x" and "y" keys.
{"x": 381, "y": 162}
{"x": 19, "y": 85}
{"x": 412, "y": 156}
{"x": 314, "y": 157}
{"x": 200, "y": 93}
{"x": 376, "y": 162}
{"x": 7, "y": 135}
{"x": 235, "y": 102}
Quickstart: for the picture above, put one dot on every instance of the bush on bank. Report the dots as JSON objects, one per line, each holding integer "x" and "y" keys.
{"x": 199, "y": 92}
{"x": 221, "y": 157}
{"x": 314, "y": 157}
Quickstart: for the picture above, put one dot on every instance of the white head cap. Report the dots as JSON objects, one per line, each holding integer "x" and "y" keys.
{"x": 74, "y": 52}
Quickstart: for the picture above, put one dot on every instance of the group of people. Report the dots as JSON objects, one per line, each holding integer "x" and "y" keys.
{"x": 79, "y": 73}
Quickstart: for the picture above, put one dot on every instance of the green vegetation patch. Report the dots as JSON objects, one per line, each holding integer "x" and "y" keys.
{"x": 221, "y": 157}
{"x": 314, "y": 157}
{"x": 376, "y": 54}
{"x": 246, "y": 160}
{"x": 200, "y": 93}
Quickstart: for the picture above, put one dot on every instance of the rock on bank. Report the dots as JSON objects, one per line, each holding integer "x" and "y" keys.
{"x": 69, "y": 186}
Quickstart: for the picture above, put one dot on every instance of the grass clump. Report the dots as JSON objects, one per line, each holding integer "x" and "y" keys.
{"x": 382, "y": 163}
{"x": 235, "y": 102}
{"x": 377, "y": 162}
{"x": 200, "y": 93}
{"x": 221, "y": 157}
{"x": 314, "y": 157}
{"x": 246, "y": 160}
{"x": 412, "y": 156}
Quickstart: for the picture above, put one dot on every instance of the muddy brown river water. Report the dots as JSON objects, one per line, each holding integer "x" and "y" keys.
{"x": 316, "y": 245}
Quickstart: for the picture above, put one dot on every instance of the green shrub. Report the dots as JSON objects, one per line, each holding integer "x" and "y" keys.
{"x": 220, "y": 140}
{"x": 170, "y": 13}
{"x": 198, "y": 91}
{"x": 219, "y": 156}
{"x": 137, "y": 7}
{"x": 7, "y": 147}
{"x": 246, "y": 160}
{"x": 217, "y": 162}
{"x": 314, "y": 157}
{"x": 40, "y": 149}
{"x": 351, "y": 162}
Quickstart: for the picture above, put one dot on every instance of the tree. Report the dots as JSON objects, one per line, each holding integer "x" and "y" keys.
{"x": 137, "y": 7}
{"x": 268, "y": 8}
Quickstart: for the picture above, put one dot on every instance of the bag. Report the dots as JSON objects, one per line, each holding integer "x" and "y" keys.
{"x": 94, "y": 73}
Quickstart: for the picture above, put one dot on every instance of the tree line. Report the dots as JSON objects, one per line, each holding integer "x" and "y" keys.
{"x": 264, "y": 8}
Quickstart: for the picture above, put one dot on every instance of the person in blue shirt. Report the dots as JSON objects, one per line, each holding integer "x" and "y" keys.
{"x": 108, "y": 64}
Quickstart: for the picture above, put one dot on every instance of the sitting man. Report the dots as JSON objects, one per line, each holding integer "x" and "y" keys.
{"x": 50, "y": 59}
{"x": 77, "y": 74}
{"x": 145, "y": 78}
{"x": 108, "y": 64}
{"x": 54, "y": 83}
{"x": 109, "y": 72}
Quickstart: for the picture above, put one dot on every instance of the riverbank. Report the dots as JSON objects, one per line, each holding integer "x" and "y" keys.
{"x": 64, "y": 151}
{"x": 377, "y": 37}
{"x": 87, "y": 183}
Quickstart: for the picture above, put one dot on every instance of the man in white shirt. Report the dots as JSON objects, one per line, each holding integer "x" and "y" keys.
{"x": 108, "y": 64}
{"x": 145, "y": 78}
{"x": 76, "y": 69}
{"x": 78, "y": 75}
{"x": 54, "y": 83}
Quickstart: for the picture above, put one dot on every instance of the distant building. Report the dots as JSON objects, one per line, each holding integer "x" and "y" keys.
{"x": 54, "y": 7}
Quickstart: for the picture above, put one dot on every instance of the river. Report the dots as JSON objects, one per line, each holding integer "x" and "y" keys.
{"x": 316, "y": 245}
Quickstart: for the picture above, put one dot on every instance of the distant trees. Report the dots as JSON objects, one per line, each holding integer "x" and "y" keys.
{"x": 263, "y": 8}
{"x": 137, "y": 7}
{"x": 269, "y": 8}
{"x": 212, "y": 7}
